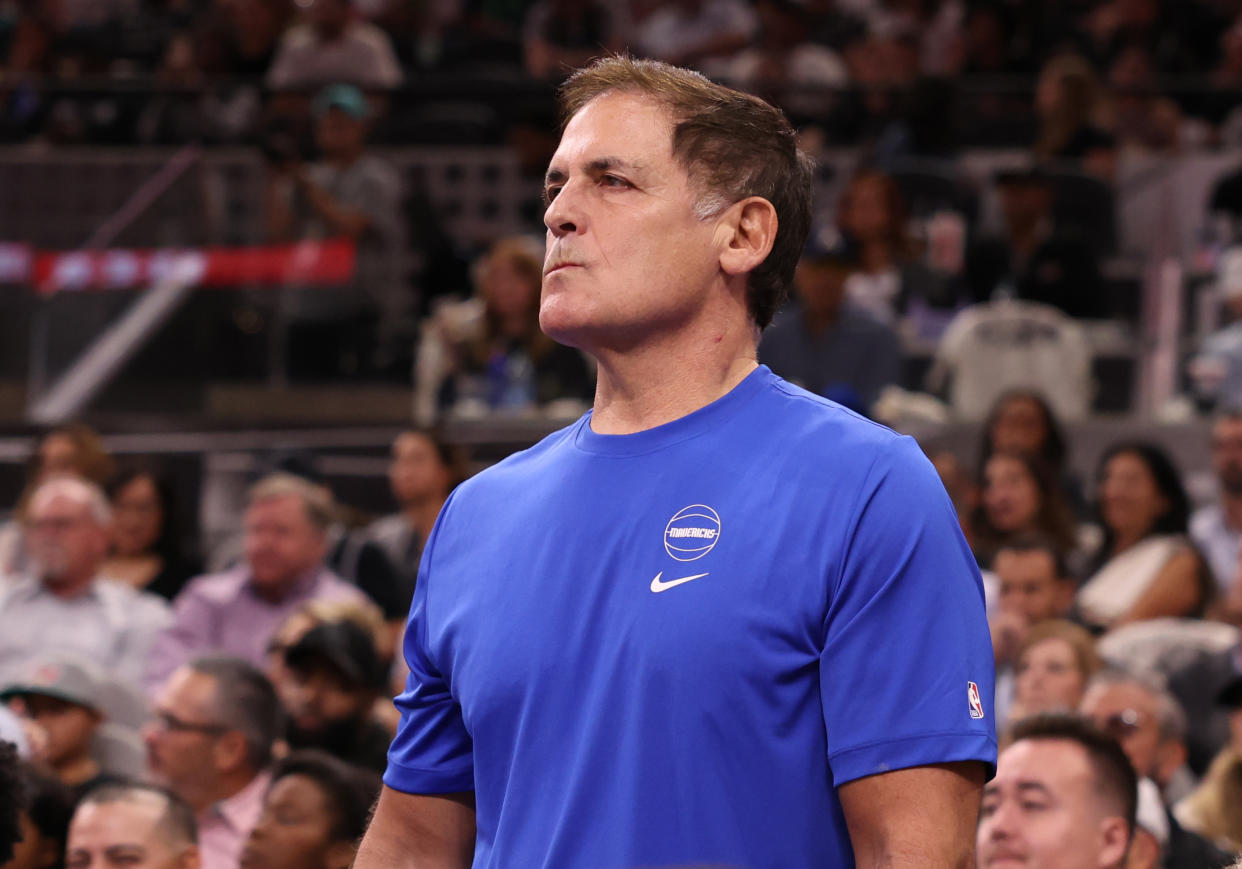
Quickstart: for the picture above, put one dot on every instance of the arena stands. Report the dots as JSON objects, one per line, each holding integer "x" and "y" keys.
{"x": 232, "y": 231}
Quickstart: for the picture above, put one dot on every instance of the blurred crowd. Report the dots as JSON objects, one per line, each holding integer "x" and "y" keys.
{"x": 1155, "y": 74}
{"x": 229, "y": 690}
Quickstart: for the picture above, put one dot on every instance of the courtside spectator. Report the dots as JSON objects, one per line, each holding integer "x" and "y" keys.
{"x": 315, "y": 812}
{"x": 1216, "y": 528}
{"x": 1064, "y": 797}
{"x": 1054, "y": 664}
{"x": 1150, "y": 726}
{"x": 1146, "y": 567}
{"x": 132, "y": 825}
{"x": 69, "y": 450}
{"x": 146, "y": 545}
{"x": 487, "y": 354}
{"x": 1067, "y": 101}
{"x": 348, "y": 193}
{"x": 1214, "y": 810}
{"x": 420, "y": 475}
{"x": 236, "y": 612}
{"x": 1197, "y": 682}
{"x": 64, "y": 603}
{"x": 1021, "y": 420}
{"x": 559, "y": 36}
{"x": 335, "y": 675}
{"x": 703, "y": 34}
{"x": 211, "y": 743}
{"x": 331, "y": 45}
{"x": 44, "y": 822}
{"x": 826, "y": 343}
{"x": 1019, "y": 497}
{"x": 65, "y": 698}
{"x": 1035, "y": 260}
{"x": 873, "y": 220}
{"x": 1034, "y": 587}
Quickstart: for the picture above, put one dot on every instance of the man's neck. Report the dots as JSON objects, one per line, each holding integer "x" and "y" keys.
{"x": 220, "y": 790}
{"x": 77, "y": 770}
{"x": 1231, "y": 507}
{"x": 67, "y": 588}
{"x": 640, "y": 389}
{"x": 421, "y": 513}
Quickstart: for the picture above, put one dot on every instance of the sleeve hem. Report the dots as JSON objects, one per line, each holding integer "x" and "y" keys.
{"x": 875, "y": 758}
{"x": 425, "y": 781}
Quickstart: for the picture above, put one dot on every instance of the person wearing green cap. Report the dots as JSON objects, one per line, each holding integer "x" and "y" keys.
{"x": 347, "y": 193}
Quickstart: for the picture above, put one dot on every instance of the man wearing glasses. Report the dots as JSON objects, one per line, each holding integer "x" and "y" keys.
{"x": 211, "y": 743}
{"x": 1150, "y": 725}
{"x": 64, "y": 606}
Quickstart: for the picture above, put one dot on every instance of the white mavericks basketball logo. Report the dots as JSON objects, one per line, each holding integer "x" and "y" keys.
{"x": 692, "y": 532}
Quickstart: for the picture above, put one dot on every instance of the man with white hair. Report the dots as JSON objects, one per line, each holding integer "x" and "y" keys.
{"x": 63, "y": 604}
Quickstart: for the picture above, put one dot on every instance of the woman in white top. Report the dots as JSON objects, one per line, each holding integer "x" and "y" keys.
{"x": 1146, "y": 567}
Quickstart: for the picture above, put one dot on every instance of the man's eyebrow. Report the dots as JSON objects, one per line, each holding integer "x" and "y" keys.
{"x": 599, "y": 164}
{"x": 1039, "y": 787}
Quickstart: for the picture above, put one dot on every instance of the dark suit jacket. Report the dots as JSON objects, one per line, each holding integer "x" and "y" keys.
{"x": 1196, "y": 686}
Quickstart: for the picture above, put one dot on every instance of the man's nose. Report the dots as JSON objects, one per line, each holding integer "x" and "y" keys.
{"x": 563, "y": 214}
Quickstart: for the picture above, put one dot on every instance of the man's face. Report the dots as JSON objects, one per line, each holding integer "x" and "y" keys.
{"x": 337, "y": 132}
{"x": 628, "y": 260}
{"x": 1043, "y": 811}
{"x": 1128, "y": 714}
{"x": 1048, "y": 678}
{"x": 281, "y": 542}
{"x": 416, "y": 470}
{"x": 121, "y": 834}
{"x": 318, "y": 697}
{"x": 65, "y": 540}
{"x": 181, "y": 739}
{"x": 1029, "y": 585}
{"x": 68, "y": 726}
{"x": 1227, "y": 454}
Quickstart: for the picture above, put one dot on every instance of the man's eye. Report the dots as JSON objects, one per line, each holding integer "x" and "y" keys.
{"x": 614, "y": 181}
{"x": 549, "y": 193}
{"x": 1033, "y": 806}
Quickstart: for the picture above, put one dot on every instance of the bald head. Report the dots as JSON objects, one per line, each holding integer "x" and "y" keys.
{"x": 133, "y": 825}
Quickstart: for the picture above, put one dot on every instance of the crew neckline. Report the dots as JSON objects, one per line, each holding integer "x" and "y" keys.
{"x": 680, "y": 429}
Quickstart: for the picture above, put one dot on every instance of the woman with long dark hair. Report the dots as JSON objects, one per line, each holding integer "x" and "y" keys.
{"x": 1145, "y": 567}
{"x": 146, "y": 549}
{"x": 1019, "y": 497}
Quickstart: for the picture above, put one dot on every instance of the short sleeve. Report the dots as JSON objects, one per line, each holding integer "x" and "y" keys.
{"x": 432, "y": 751}
{"x": 906, "y": 671}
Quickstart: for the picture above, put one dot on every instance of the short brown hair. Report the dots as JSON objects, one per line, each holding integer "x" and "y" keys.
{"x": 315, "y": 499}
{"x": 1078, "y": 638}
{"x": 732, "y": 145}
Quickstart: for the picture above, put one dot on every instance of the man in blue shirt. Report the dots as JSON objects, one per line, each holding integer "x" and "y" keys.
{"x": 718, "y": 620}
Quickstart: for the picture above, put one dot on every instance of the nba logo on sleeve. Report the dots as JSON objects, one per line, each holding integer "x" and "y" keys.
{"x": 972, "y": 697}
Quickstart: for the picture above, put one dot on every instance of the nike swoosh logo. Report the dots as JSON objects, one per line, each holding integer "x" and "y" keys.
{"x": 658, "y": 586}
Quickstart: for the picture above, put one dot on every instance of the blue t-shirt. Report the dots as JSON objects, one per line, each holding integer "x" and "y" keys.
{"x": 669, "y": 647}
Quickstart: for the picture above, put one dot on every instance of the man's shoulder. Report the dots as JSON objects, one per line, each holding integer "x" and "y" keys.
{"x": 822, "y": 425}
{"x": 518, "y": 468}
{"x": 1205, "y": 521}
{"x": 216, "y": 589}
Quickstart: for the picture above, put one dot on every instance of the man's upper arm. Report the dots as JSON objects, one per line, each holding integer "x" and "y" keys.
{"x": 412, "y": 831}
{"x": 924, "y": 816}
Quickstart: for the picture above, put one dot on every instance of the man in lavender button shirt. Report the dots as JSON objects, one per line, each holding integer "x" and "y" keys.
{"x": 237, "y": 611}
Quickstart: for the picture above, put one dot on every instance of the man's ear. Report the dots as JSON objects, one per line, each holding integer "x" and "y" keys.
{"x": 751, "y": 226}
{"x": 1170, "y": 754}
{"x": 1114, "y": 842}
{"x": 230, "y": 750}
